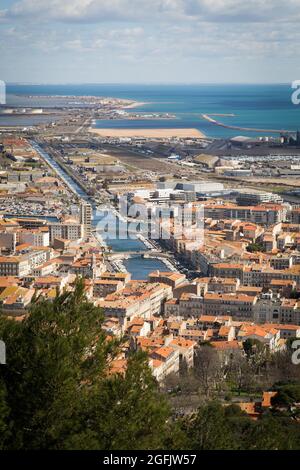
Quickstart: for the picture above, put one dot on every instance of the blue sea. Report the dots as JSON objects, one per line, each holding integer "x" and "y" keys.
{"x": 253, "y": 106}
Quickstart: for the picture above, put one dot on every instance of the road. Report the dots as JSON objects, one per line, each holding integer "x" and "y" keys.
{"x": 87, "y": 123}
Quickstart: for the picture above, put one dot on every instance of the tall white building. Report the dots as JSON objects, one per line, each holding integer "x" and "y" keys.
{"x": 86, "y": 213}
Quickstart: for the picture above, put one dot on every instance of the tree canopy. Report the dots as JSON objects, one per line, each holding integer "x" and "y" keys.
{"x": 57, "y": 391}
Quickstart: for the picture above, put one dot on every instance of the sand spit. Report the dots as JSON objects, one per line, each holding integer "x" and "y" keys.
{"x": 149, "y": 133}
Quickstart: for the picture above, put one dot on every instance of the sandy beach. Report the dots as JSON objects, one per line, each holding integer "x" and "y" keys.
{"x": 149, "y": 133}
{"x": 136, "y": 104}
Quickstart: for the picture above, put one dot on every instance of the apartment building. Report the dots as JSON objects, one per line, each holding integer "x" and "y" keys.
{"x": 198, "y": 336}
{"x": 239, "y": 306}
{"x": 256, "y": 198}
{"x": 222, "y": 285}
{"x": 104, "y": 287}
{"x": 23, "y": 264}
{"x": 269, "y": 242}
{"x": 290, "y": 312}
{"x": 295, "y": 216}
{"x": 283, "y": 287}
{"x": 88, "y": 266}
{"x": 186, "y": 306}
{"x": 122, "y": 277}
{"x": 267, "y": 309}
{"x": 14, "y": 300}
{"x": 267, "y": 335}
{"x": 8, "y": 241}
{"x": 137, "y": 299}
{"x": 206, "y": 322}
{"x": 138, "y": 327}
{"x": 34, "y": 237}
{"x": 268, "y": 214}
{"x": 186, "y": 349}
{"x": 170, "y": 278}
{"x": 286, "y": 330}
{"x": 164, "y": 361}
{"x": 49, "y": 282}
{"x": 281, "y": 261}
{"x": 66, "y": 231}
{"x": 14, "y": 266}
{"x": 46, "y": 268}
{"x": 262, "y": 276}
{"x": 86, "y": 213}
{"x": 228, "y": 270}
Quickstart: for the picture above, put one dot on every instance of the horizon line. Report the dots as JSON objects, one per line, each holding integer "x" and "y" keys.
{"x": 8, "y": 83}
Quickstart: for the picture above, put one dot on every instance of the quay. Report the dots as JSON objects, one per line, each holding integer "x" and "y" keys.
{"x": 143, "y": 254}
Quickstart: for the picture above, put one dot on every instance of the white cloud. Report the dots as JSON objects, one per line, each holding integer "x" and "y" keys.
{"x": 92, "y": 10}
{"x": 150, "y": 33}
{"x": 247, "y": 11}
{"x": 144, "y": 10}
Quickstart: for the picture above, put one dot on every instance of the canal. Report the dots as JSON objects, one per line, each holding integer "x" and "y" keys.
{"x": 140, "y": 267}
{"x": 136, "y": 265}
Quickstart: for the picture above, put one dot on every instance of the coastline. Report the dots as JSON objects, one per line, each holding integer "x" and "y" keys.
{"x": 135, "y": 104}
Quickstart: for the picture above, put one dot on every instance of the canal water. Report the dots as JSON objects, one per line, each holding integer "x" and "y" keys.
{"x": 62, "y": 173}
{"x": 137, "y": 266}
{"x": 140, "y": 267}
{"x": 120, "y": 241}
{"x": 114, "y": 232}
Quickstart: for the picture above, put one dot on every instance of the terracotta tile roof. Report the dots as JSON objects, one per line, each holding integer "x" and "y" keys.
{"x": 208, "y": 318}
{"x": 280, "y": 326}
{"x": 250, "y": 408}
{"x": 171, "y": 275}
{"x": 257, "y": 330}
{"x": 228, "y": 297}
{"x": 163, "y": 352}
{"x": 156, "y": 363}
{"x": 267, "y": 397}
{"x": 225, "y": 345}
{"x": 193, "y": 333}
{"x": 149, "y": 343}
{"x": 224, "y": 330}
{"x": 183, "y": 343}
{"x": 8, "y": 281}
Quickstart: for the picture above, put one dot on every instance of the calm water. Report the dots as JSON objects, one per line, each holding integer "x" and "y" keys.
{"x": 140, "y": 267}
{"x": 23, "y": 121}
{"x": 104, "y": 220}
{"x": 259, "y": 106}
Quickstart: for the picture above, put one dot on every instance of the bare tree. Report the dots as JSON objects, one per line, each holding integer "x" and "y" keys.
{"x": 241, "y": 372}
{"x": 208, "y": 369}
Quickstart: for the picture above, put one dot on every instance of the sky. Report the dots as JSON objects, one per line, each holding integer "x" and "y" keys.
{"x": 149, "y": 41}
